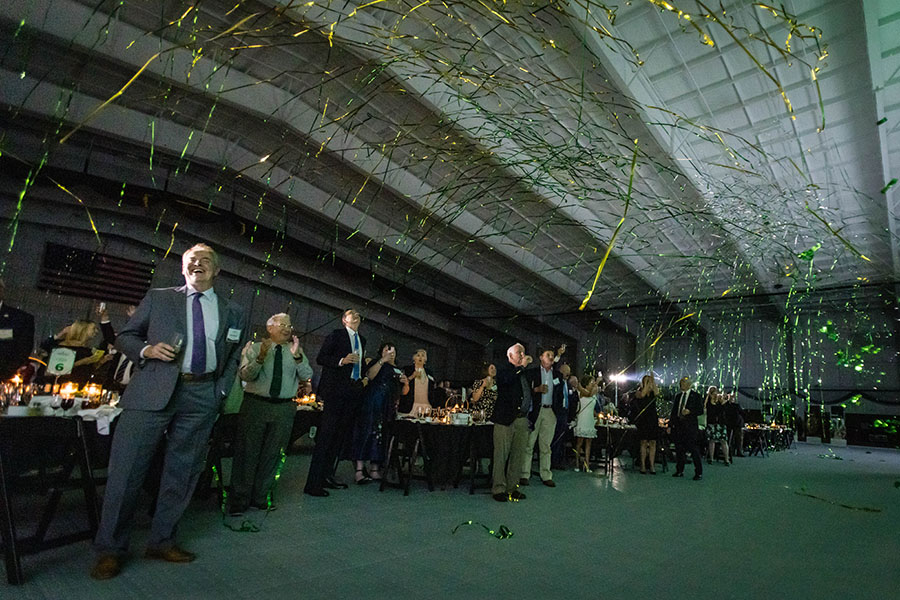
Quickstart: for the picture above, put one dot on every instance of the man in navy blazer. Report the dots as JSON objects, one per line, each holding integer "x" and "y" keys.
{"x": 186, "y": 343}
{"x": 566, "y": 412}
{"x": 340, "y": 389}
{"x": 547, "y": 404}
{"x": 16, "y": 336}
{"x": 686, "y": 407}
{"x": 515, "y": 384}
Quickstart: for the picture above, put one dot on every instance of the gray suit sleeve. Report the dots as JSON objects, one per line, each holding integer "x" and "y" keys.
{"x": 133, "y": 337}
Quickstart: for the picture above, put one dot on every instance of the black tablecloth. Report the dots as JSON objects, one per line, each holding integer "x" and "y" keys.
{"x": 445, "y": 448}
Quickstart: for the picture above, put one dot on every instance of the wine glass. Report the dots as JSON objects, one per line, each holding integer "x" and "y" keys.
{"x": 177, "y": 341}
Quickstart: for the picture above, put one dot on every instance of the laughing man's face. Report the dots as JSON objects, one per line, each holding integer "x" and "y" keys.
{"x": 198, "y": 269}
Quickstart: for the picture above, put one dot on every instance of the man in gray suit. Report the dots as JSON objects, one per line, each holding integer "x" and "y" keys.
{"x": 186, "y": 342}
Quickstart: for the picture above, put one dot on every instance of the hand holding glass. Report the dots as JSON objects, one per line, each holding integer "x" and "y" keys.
{"x": 176, "y": 341}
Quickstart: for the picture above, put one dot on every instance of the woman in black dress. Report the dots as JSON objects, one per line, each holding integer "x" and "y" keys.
{"x": 386, "y": 383}
{"x": 716, "y": 425}
{"x": 647, "y": 421}
{"x": 484, "y": 391}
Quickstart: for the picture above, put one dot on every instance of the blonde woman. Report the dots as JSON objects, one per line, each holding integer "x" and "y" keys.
{"x": 647, "y": 421}
{"x": 78, "y": 337}
{"x": 585, "y": 423}
{"x": 716, "y": 425}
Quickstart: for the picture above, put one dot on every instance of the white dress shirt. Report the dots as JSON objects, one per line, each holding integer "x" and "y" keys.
{"x": 210, "y": 305}
{"x": 547, "y": 379}
{"x": 352, "y": 333}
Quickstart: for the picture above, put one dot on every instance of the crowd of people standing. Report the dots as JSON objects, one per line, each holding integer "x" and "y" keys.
{"x": 179, "y": 354}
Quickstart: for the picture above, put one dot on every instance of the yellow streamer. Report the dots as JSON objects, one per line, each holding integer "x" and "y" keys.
{"x": 615, "y": 234}
{"x": 171, "y": 241}
{"x": 97, "y": 110}
{"x": 659, "y": 337}
{"x": 90, "y": 218}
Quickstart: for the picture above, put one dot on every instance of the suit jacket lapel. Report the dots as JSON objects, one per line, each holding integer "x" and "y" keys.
{"x": 179, "y": 309}
{"x": 223, "y": 319}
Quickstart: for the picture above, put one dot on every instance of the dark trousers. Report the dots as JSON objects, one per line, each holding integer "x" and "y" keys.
{"x": 338, "y": 416}
{"x": 264, "y": 430}
{"x": 736, "y": 440}
{"x": 687, "y": 441}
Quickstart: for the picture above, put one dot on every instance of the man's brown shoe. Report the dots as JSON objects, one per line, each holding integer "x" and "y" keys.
{"x": 173, "y": 554}
{"x": 107, "y": 566}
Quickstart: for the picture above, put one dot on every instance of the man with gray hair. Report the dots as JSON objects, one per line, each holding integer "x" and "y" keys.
{"x": 272, "y": 370}
{"x": 511, "y": 428}
{"x": 186, "y": 342}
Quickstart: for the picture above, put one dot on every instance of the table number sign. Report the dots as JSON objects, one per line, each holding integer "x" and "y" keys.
{"x": 61, "y": 361}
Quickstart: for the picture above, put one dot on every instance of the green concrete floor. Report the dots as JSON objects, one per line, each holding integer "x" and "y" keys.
{"x": 742, "y": 532}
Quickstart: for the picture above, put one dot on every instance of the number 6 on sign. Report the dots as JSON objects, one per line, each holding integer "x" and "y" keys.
{"x": 61, "y": 361}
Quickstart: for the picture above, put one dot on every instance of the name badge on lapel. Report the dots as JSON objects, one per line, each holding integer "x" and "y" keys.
{"x": 556, "y": 382}
{"x": 6, "y": 334}
{"x": 233, "y": 335}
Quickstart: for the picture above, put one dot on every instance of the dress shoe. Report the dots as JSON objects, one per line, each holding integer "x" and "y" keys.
{"x": 107, "y": 566}
{"x": 698, "y": 477}
{"x": 333, "y": 484}
{"x": 548, "y": 482}
{"x": 524, "y": 481}
{"x": 318, "y": 492}
{"x": 501, "y": 497}
{"x": 678, "y": 475}
{"x": 172, "y": 554}
{"x": 517, "y": 495}
{"x": 652, "y": 472}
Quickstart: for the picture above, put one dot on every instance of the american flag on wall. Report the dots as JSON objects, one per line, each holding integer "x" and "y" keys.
{"x": 87, "y": 274}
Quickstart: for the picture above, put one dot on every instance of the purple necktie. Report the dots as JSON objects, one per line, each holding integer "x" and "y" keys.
{"x": 198, "y": 352}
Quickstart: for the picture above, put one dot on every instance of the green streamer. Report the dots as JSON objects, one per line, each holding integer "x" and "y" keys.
{"x": 805, "y": 494}
{"x": 503, "y": 533}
